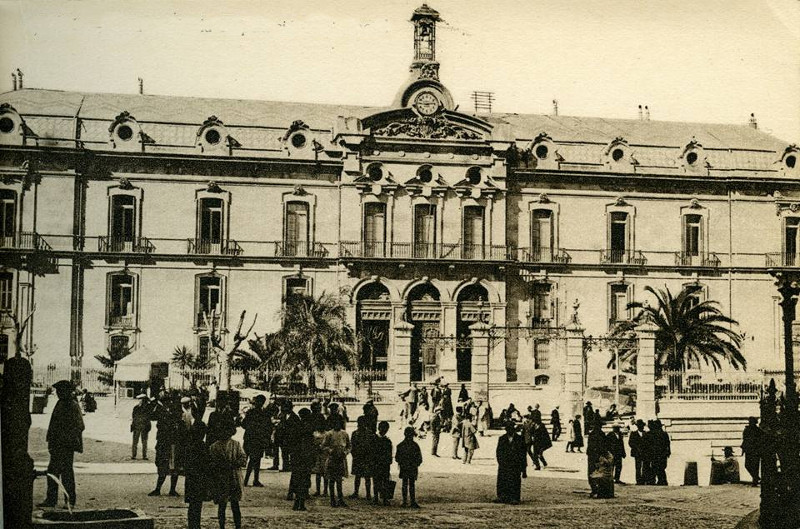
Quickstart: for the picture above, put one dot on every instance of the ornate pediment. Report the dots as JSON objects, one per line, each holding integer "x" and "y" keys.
{"x": 443, "y": 125}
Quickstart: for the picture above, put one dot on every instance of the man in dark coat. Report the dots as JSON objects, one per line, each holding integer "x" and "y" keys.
{"x": 616, "y": 445}
{"x": 511, "y": 463}
{"x": 371, "y": 416}
{"x": 196, "y": 460}
{"x": 436, "y": 431}
{"x": 256, "y": 426}
{"x": 303, "y": 458}
{"x": 382, "y": 464}
{"x": 752, "y": 441}
{"x": 635, "y": 444}
{"x": 221, "y": 420}
{"x": 555, "y": 423}
{"x": 64, "y": 438}
{"x": 541, "y": 442}
{"x": 588, "y": 417}
{"x": 166, "y": 417}
{"x": 660, "y": 453}
{"x": 447, "y": 403}
{"x": 140, "y": 425}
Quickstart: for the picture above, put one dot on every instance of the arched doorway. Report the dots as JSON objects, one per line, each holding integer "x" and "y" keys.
{"x": 425, "y": 314}
{"x": 473, "y": 301}
{"x": 373, "y": 314}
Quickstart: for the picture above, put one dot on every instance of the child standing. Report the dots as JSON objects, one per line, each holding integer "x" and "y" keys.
{"x": 409, "y": 458}
{"x": 382, "y": 462}
{"x": 362, "y": 442}
{"x": 337, "y": 446}
{"x": 227, "y": 460}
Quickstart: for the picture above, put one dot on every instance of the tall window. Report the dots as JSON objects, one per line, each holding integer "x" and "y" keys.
{"x": 374, "y": 229}
{"x": 618, "y": 304}
{"x": 296, "y": 286}
{"x": 209, "y": 299}
{"x": 6, "y": 291}
{"x": 8, "y": 215}
{"x": 424, "y": 230}
{"x": 210, "y": 226}
{"x": 473, "y": 232}
{"x": 541, "y": 353}
{"x": 542, "y": 314}
{"x": 791, "y": 243}
{"x": 121, "y": 300}
{"x": 123, "y": 222}
{"x": 618, "y": 236}
{"x": 542, "y": 235}
{"x": 297, "y": 229}
{"x": 693, "y": 235}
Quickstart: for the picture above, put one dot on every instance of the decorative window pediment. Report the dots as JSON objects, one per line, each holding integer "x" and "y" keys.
{"x": 426, "y": 182}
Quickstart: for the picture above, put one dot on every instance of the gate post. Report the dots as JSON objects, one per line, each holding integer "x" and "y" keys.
{"x": 646, "y": 372}
{"x": 402, "y": 355}
{"x": 573, "y": 374}
{"x": 480, "y": 361}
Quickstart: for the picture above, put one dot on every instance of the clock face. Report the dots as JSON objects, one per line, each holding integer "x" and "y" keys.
{"x": 426, "y": 103}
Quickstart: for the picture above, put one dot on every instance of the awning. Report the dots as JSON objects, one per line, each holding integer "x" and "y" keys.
{"x": 132, "y": 373}
{"x": 137, "y": 366}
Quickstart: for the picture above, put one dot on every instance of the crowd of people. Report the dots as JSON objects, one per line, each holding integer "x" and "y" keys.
{"x": 314, "y": 442}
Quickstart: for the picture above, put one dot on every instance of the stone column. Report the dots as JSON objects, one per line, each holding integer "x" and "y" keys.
{"x": 447, "y": 351}
{"x": 646, "y": 372}
{"x": 402, "y": 355}
{"x": 573, "y": 373}
{"x": 480, "y": 361}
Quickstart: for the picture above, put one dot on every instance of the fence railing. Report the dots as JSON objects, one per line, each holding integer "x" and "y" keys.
{"x": 125, "y": 245}
{"x": 695, "y": 385}
{"x": 95, "y": 380}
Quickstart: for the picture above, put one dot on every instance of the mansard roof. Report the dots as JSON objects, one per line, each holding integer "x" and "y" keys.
{"x": 261, "y": 128}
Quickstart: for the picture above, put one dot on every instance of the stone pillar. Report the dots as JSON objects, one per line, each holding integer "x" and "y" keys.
{"x": 402, "y": 355}
{"x": 646, "y": 372}
{"x": 447, "y": 351}
{"x": 573, "y": 373}
{"x": 480, "y": 361}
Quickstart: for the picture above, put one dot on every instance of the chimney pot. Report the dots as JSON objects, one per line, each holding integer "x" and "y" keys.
{"x": 753, "y": 121}
{"x": 14, "y": 80}
{"x": 555, "y": 107}
{"x": 640, "y": 112}
{"x": 646, "y": 113}
{"x": 19, "y": 76}
{"x": 141, "y": 86}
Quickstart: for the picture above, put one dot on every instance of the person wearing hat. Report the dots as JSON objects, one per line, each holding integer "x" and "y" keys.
{"x": 256, "y": 426}
{"x": 140, "y": 425}
{"x": 635, "y": 439}
{"x": 511, "y": 464}
{"x": 616, "y": 445}
{"x": 436, "y": 430}
{"x": 196, "y": 461}
{"x": 64, "y": 438}
{"x": 409, "y": 458}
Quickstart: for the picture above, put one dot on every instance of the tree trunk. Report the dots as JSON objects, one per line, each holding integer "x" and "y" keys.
{"x": 225, "y": 372}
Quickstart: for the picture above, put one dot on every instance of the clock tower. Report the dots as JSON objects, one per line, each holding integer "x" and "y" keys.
{"x": 423, "y": 92}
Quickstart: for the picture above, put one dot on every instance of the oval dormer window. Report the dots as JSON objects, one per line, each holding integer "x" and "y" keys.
{"x": 542, "y": 151}
{"x": 691, "y": 157}
{"x": 7, "y": 125}
{"x": 425, "y": 174}
{"x": 474, "y": 175}
{"x": 791, "y": 161}
{"x": 617, "y": 154}
{"x": 375, "y": 172}
{"x": 298, "y": 140}
{"x": 212, "y": 136}
{"x": 124, "y": 132}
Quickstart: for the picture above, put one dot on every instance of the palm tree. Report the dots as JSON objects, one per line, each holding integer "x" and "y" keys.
{"x": 314, "y": 335}
{"x": 190, "y": 364}
{"x": 688, "y": 332}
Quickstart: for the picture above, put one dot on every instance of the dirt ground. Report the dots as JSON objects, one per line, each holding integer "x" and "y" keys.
{"x": 448, "y": 500}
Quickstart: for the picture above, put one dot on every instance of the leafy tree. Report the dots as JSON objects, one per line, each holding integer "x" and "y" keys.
{"x": 190, "y": 364}
{"x": 687, "y": 332}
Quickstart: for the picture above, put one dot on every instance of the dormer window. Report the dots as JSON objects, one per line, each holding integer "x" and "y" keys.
{"x": 542, "y": 152}
{"x": 791, "y": 161}
{"x": 124, "y": 132}
{"x": 474, "y": 175}
{"x": 425, "y": 174}
{"x": 375, "y": 172}
{"x": 212, "y": 136}
{"x": 7, "y": 125}
{"x": 617, "y": 154}
{"x": 298, "y": 140}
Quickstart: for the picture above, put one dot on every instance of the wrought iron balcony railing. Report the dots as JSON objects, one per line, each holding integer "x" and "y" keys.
{"x": 543, "y": 255}
{"x": 124, "y": 245}
{"x": 25, "y": 240}
{"x": 630, "y": 257}
{"x": 125, "y": 321}
{"x": 782, "y": 259}
{"x": 301, "y": 249}
{"x": 406, "y": 250}
{"x": 227, "y": 247}
{"x": 707, "y": 260}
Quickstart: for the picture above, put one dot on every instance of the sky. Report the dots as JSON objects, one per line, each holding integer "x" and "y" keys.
{"x": 708, "y": 61}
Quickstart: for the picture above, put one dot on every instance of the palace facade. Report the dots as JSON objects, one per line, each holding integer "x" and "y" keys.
{"x": 126, "y": 217}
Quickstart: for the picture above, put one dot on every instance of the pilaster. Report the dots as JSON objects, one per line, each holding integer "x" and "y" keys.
{"x": 646, "y": 372}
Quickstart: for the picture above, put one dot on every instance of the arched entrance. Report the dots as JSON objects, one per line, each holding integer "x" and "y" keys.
{"x": 425, "y": 314}
{"x": 473, "y": 302}
{"x": 373, "y": 314}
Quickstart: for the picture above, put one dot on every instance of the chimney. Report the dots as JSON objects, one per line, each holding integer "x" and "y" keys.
{"x": 14, "y": 80}
{"x": 555, "y": 107}
{"x": 141, "y": 86}
{"x": 19, "y": 75}
{"x": 753, "y": 121}
{"x": 640, "y": 113}
{"x": 646, "y": 113}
